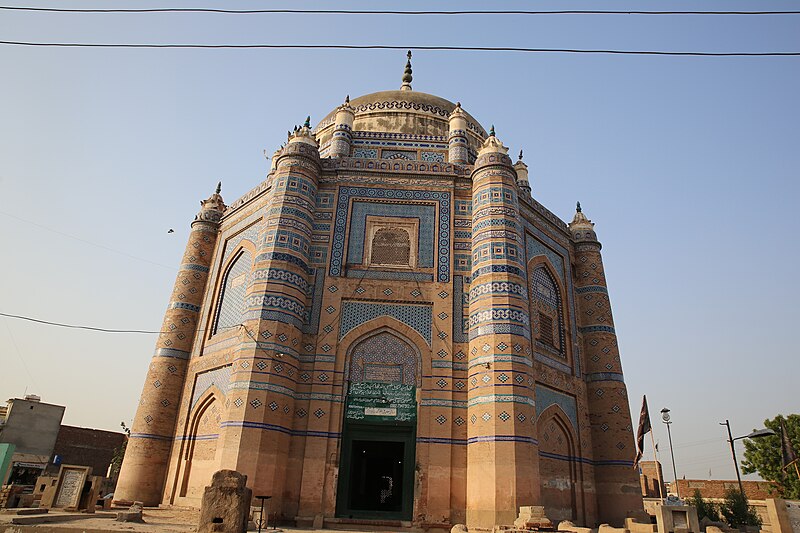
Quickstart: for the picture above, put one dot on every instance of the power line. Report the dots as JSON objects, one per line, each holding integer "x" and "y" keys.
{"x": 84, "y": 240}
{"x": 103, "y": 330}
{"x": 388, "y": 12}
{"x": 74, "y": 326}
{"x": 398, "y": 47}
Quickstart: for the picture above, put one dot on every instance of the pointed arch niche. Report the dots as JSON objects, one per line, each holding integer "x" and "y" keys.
{"x": 231, "y": 302}
{"x": 198, "y": 455}
{"x": 547, "y": 312}
{"x": 384, "y": 356}
{"x": 558, "y": 468}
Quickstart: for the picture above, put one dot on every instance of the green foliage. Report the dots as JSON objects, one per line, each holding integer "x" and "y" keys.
{"x": 763, "y": 455}
{"x": 119, "y": 453}
{"x": 704, "y": 508}
{"x": 736, "y": 511}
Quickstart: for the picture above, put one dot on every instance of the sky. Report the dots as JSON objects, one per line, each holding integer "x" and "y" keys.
{"x": 688, "y": 166}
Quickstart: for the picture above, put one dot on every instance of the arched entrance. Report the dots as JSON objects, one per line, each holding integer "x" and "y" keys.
{"x": 376, "y": 467}
{"x": 557, "y": 466}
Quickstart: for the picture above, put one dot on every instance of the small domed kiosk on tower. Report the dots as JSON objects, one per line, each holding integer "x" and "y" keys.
{"x": 390, "y": 328}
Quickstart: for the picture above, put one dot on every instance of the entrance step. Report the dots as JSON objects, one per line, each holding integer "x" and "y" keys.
{"x": 366, "y": 525}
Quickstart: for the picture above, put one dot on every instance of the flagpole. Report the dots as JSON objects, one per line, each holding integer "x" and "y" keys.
{"x": 658, "y": 468}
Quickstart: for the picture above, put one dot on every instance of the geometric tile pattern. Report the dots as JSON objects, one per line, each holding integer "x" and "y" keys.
{"x": 546, "y": 299}
{"x": 219, "y": 377}
{"x": 417, "y": 317}
{"x": 384, "y": 357}
{"x": 424, "y": 213}
{"x": 231, "y": 304}
{"x": 399, "y": 195}
{"x": 545, "y": 397}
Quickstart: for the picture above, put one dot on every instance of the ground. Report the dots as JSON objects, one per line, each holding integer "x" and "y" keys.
{"x": 158, "y": 520}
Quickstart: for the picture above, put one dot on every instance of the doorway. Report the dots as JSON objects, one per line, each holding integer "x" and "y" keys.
{"x": 376, "y": 474}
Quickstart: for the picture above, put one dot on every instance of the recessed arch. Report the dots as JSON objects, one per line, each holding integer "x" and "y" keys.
{"x": 558, "y": 465}
{"x": 384, "y": 354}
{"x": 547, "y": 309}
{"x": 234, "y": 282}
{"x": 198, "y": 455}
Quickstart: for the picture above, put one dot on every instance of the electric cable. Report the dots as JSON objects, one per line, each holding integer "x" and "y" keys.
{"x": 390, "y": 11}
{"x": 399, "y": 47}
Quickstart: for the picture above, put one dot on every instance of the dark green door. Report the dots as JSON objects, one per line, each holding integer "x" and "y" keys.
{"x": 376, "y": 468}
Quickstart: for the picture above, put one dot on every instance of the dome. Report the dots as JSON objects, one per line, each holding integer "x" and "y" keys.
{"x": 404, "y": 112}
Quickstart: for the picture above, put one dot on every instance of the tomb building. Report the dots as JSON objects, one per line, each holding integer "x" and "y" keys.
{"x": 390, "y": 327}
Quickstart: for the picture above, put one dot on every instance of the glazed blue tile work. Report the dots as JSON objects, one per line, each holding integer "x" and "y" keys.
{"x": 545, "y": 397}
{"x": 292, "y": 211}
{"x": 546, "y": 297}
{"x": 496, "y": 250}
{"x": 384, "y": 357}
{"x": 366, "y": 153}
{"x": 386, "y": 274}
{"x": 399, "y": 154}
{"x": 463, "y": 207}
{"x": 460, "y": 300}
{"x": 249, "y": 234}
{"x": 279, "y": 276}
{"x": 231, "y": 304}
{"x": 319, "y": 255}
{"x": 426, "y": 214}
{"x": 325, "y": 200}
{"x": 311, "y": 324}
{"x": 536, "y": 248}
{"x": 538, "y": 243}
{"x": 462, "y": 263}
{"x": 288, "y": 240}
{"x": 219, "y": 378}
{"x": 417, "y": 317}
{"x": 383, "y": 373}
{"x": 442, "y": 223}
{"x": 432, "y": 157}
{"x": 491, "y": 195}
{"x": 298, "y": 185}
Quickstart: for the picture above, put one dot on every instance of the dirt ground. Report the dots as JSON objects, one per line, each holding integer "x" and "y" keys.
{"x": 157, "y": 520}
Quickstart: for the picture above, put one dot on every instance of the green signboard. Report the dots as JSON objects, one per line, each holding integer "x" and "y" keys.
{"x": 381, "y": 402}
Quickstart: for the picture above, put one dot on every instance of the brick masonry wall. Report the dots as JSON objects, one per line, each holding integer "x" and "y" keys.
{"x": 715, "y": 488}
{"x": 87, "y": 447}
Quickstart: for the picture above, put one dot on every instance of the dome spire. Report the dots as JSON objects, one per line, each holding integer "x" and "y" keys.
{"x": 407, "y": 74}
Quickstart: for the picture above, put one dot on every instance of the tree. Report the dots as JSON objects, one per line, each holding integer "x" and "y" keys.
{"x": 119, "y": 453}
{"x": 704, "y": 507}
{"x": 763, "y": 455}
{"x": 736, "y": 511}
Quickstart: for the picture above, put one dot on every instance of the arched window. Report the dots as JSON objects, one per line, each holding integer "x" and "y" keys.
{"x": 391, "y": 246}
{"x": 231, "y": 306}
{"x": 547, "y": 312}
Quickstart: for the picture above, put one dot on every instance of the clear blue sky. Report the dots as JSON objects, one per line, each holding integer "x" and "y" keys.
{"x": 688, "y": 166}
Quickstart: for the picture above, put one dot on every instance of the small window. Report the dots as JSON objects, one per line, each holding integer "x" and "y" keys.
{"x": 391, "y": 246}
{"x": 391, "y": 242}
{"x": 546, "y": 329}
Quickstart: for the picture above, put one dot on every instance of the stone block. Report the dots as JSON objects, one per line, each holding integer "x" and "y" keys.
{"x": 566, "y": 525}
{"x": 532, "y": 517}
{"x": 318, "y": 522}
{"x": 133, "y": 514}
{"x": 635, "y": 525}
{"x": 226, "y": 504}
{"x": 605, "y": 528}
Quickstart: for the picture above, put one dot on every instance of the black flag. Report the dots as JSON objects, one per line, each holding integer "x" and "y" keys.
{"x": 788, "y": 455}
{"x": 644, "y": 428}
